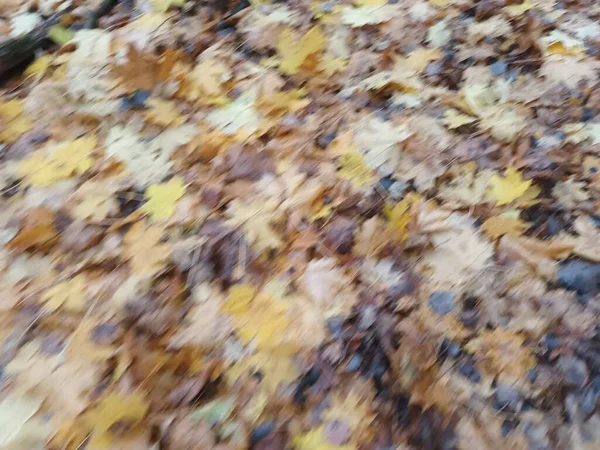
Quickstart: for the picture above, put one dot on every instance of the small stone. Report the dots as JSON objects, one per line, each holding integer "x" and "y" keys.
{"x": 508, "y": 426}
{"x": 537, "y": 436}
{"x": 325, "y": 139}
{"x": 441, "y": 302}
{"x": 398, "y": 189}
{"x": 580, "y": 276}
{"x": 326, "y": 7}
{"x": 552, "y": 342}
{"x": 507, "y": 398}
{"x": 469, "y": 371}
{"x": 574, "y": 371}
{"x": 386, "y": 182}
{"x": 498, "y": 68}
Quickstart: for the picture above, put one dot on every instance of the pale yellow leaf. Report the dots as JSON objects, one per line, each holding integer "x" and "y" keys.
{"x": 507, "y": 188}
{"x": 162, "y": 198}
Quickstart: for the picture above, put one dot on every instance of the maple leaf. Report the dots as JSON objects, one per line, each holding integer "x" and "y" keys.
{"x": 69, "y": 294}
{"x": 58, "y": 162}
{"x": 112, "y": 409}
{"x": 294, "y": 54}
{"x": 587, "y": 244}
{"x": 163, "y": 113}
{"x": 399, "y": 217}
{"x": 95, "y": 201}
{"x": 459, "y": 251}
{"x": 466, "y": 189}
{"x": 12, "y": 123}
{"x": 453, "y": 119}
{"x": 509, "y": 187}
{"x": 256, "y": 219}
{"x": 504, "y": 353}
{"x": 315, "y": 439}
{"x": 162, "y": 198}
{"x": 145, "y": 250}
{"x": 378, "y": 140}
{"x": 324, "y": 283}
{"x": 276, "y": 370}
{"x": 498, "y": 226}
{"x": 353, "y": 168}
{"x": 207, "y": 79}
{"x": 239, "y": 118}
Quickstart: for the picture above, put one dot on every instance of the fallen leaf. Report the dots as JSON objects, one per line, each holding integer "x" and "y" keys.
{"x": 498, "y": 226}
{"x": 162, "y": 198}
{"x": 111, "y": 409}
{"x": 256, "y": 220}
{"x": 58, "y": 162}
{"x": 16, "y": 410}
{"x": 13, "y": 123}
{"x": 145, "y": 250}
{"x": 453, "y": 119}
{"x": 163, "y": 113}
{"x": 353, "y": 168}
{"x": 294, "y": 52}
{"x": 507, "y": 188}
{"x": 70, "y": 294}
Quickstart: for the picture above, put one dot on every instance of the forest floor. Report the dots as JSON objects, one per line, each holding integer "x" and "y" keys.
{"x": 309, "y": 225}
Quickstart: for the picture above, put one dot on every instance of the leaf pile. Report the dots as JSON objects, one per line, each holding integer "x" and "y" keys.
{"x": 302, "y": 225}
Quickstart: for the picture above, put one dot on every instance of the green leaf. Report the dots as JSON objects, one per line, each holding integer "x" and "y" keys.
{"x": 60, "y": 35}
{"x": 214, "y": 412}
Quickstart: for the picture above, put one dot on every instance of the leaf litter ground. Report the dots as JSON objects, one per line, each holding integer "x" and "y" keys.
{"x": 302, "y": 225}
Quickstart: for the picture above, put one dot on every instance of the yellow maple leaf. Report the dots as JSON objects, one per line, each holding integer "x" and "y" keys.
{"x": 162, "y": 6}
{"x": 281, "y": 103}
{"x": 50, "y": 165}
{"x": 294, "y": 53}
{"x": 39, "y": 66}
{"x": 70, "y": 294}
{"x": 162, "y": 198}
{"x": 163, "y": 113}
{"x": 453, "y": 119}
{"x": 509, "y": 187}
{"x": 353, "y": 168}
{"x": 315, "y": 439}
{"x": 239, "y": 299}
{"x": 12, "y": 123}
{"x": 112, "y": 409}
{"x": 276, "y": 370}
{"x": 498, "y": 226}
{"x": 144, "y": 249}
{"x": 399, "y": 217}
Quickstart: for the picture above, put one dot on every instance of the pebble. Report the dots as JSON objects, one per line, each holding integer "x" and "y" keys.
{"x": 441, "y": 302}
{"x": 498, "y": 68}
{"x": 580, "y": 276}
{"x": 552, "y": 342}
{"x": 574, "y": 370}
{"x": 469, "y": 371}
{"x": 507, "y": 398}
